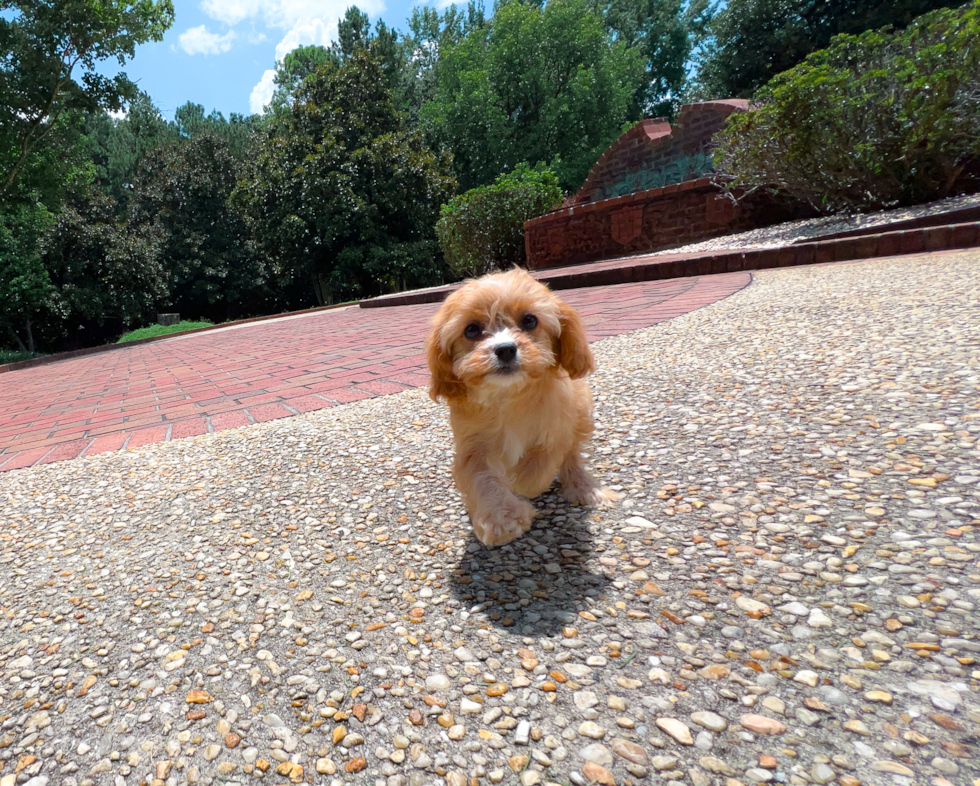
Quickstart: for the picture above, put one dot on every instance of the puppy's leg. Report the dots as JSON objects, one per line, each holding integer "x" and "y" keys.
{"x": 497, "y": 514}
{"x": 578, "y": 486}
{"x": 534, "y": 473}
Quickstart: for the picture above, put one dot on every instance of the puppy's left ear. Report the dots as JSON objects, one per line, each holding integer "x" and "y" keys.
{"x": 574, "y": 354}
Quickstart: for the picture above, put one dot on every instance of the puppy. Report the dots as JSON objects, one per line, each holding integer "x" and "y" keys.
{"x": 509, "y": 358}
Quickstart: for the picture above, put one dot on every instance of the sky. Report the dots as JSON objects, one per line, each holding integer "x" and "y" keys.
{"x": 222, "y": 53}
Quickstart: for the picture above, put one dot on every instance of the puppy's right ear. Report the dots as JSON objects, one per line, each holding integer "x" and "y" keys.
{"x": 444, "y": 382}
{"x": 573, "y": 346}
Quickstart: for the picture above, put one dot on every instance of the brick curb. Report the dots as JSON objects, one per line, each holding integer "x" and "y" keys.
{"x": 77, "y": 353}
{"x": 647, "y": 268}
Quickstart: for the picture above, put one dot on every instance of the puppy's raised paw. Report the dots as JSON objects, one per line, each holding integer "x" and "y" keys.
{"x": 504, "y": 522}
{"x": 580, "y": 488}
{"x": 590, "y": 495}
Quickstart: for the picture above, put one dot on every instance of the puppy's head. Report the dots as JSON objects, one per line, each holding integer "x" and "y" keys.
{"x": 503, "y": 330}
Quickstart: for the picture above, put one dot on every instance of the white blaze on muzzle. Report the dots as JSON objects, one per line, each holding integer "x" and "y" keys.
{"x": 504, "y": 337}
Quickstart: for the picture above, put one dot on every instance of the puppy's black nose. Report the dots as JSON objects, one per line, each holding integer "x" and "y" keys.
{"x": 505, "y": 352}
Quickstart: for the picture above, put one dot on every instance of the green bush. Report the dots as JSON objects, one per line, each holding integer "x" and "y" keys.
{"x": 873, "y": 121}
{"x": 483, "y": 229}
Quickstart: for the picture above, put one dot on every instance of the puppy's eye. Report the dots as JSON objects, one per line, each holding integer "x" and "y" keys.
{"x": 529, "y": 322}
{"x": 473, "y": 331}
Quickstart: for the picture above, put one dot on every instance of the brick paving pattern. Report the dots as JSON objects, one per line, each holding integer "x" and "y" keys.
{"x": 223, "y": 379}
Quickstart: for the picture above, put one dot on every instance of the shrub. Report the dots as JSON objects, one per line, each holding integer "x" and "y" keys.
{"x": 873, "y": 121}
{"x": 483, "y": 229}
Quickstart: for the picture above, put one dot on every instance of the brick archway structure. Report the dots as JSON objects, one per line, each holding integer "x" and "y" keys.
{"x": 647, "y": 192}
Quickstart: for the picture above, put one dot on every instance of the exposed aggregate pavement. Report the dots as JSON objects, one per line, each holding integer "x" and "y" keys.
{"x": 786, "y": 593}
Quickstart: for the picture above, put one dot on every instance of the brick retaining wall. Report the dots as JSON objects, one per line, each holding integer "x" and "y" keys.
{"x": 642, "y": 222}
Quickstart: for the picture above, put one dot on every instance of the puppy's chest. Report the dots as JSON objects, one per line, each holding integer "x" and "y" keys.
{"x": 513, "y": 447}
{"x": 517, "y": 439}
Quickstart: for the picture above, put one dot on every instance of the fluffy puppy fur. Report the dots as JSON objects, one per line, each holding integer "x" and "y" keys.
{"x": 509, "y": 358}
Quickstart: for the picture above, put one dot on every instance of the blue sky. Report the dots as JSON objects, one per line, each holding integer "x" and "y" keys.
{"x": 221, "y": 53}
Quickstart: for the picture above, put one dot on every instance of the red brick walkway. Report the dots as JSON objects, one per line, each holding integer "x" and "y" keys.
{"x": 226, "y": 378}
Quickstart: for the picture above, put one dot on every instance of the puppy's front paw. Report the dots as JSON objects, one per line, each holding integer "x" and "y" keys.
{"x": 587, "y": 492}
{"x": 580, "y": 488}
{"x": 504, "y": 522}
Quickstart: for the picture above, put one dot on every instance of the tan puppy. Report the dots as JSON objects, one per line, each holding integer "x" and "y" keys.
{"x": 509, "y": 358}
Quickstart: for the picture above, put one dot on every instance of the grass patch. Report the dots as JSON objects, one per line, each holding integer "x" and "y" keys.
{"x": 160, "y": 330}
{"x": 15, "y": 355}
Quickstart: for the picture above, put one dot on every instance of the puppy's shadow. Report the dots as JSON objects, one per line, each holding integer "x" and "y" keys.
{"x": 539, "y": 583}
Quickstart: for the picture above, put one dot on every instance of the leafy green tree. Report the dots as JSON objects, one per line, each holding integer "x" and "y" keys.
{"x": 294, "y": 68}
{"x": 105, "y": 276}
{"x": 352, "y": 32}
{"x": 116, "y": 145}
{"x": 664, "y": 32}
{"x": 429, "y": 34}
{"x": 49, "y": 50}
{"x": 535, "y": 85}
{"x": 24, "y": 282}
{"x": 390, "y": 52}
{"x": 753, "y": 40}
{"x": 236, "y": 132}
{"x": 340, "y": 195}
{"x": 871, "y": 122}
{"x": 181, "y": 198}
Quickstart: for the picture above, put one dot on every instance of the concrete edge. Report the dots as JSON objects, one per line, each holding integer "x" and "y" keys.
{"x": 635, "y": 269}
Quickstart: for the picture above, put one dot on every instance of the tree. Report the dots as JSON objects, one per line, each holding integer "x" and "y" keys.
{"x": 294, "y": 68}
{"x": 753, "y": 40}
{"x": 352, "y": 32}
{"x": 44, "y": 44}
{"x": 340, "y": 194}
{"x": 116, "y": 145}
{"x": 105, "y": 276}
{"x": 23, "y": 280}
{"x": 664, "y": 32}
{"x": 181, "y": 198}
{"x": 535, "y": 85}
{"x": 390, "y": 52}
{"x": 236, "y": 132}
{"x": 429, "y": 34}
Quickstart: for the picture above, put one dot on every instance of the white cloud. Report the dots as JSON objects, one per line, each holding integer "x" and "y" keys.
{"x": 231, "y": 12}
{"x": 316, "y": 31}
{"x": 200, "y": 41}
{"x": 262, "y": 92}
{"x": 284, "y": 13}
